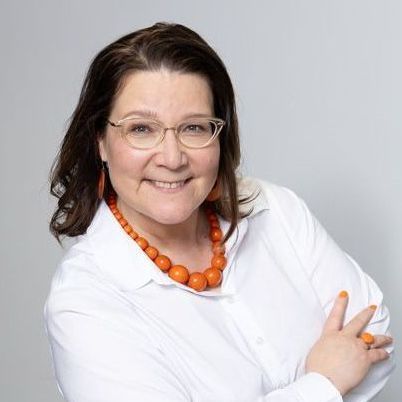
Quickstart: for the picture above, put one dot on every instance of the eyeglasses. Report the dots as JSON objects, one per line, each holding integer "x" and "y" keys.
{"x": 143, "y": 133}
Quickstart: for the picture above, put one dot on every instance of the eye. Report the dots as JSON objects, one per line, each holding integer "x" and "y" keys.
{"x": 196, "y": 128}
{"x": 140, "y": 128}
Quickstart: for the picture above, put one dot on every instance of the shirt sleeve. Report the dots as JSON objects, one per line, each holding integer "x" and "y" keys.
{"x": 101, "y": 353}
{"x": 331, "y": 270}
{"x": 311, "y": 387}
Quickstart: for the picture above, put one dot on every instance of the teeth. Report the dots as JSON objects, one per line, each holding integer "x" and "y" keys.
{"x": 164, "y": 184}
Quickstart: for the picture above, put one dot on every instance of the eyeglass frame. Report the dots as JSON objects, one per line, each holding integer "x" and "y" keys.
{"x": 118, "y": 124}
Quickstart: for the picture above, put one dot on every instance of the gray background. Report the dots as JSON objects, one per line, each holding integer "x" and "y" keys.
{"x": 319, "y": 92}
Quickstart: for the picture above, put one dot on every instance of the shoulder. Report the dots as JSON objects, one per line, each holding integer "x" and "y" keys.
{"x": 77, "y": 266}
{"x": 278, "y": 209}
{"x": 266, "y": 195}
{"x": 79, "y": 286}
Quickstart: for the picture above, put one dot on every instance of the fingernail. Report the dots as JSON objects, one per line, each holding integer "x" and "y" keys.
{"x": 373, "y": 307}
{"x": 343, "y": 293}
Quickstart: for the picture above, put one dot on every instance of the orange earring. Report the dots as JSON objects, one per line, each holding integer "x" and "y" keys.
{"x": 215, "y": 193}
{"x": 101, "y": 182}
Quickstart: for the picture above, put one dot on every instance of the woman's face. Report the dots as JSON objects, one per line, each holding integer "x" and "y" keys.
{"x": 171, "y": 97}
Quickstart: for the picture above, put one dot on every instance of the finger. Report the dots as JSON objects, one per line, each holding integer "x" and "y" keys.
{"x": 380, "y": 341}
{"x": 359, "y": 322}
{"x": 376, "y": 355}
{"x": 363, "y": 344}
{"x": 336, "y": 316}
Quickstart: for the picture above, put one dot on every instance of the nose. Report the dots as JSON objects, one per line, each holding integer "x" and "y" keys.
{"x": 171, "y": 152}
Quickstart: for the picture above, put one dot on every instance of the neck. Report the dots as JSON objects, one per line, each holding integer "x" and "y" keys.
{"x": 184, "y": 235}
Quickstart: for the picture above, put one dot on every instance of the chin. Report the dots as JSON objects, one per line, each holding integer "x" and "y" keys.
{"x": 172, "y": 216}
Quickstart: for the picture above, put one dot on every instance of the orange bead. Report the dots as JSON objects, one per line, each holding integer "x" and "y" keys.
{"x": 133, "y": 235}
{"x": 215, "y": 234}
{"x": 163, "y": 262}
{"x": 143, "y": 243}
{"x": 218, "y": 261}
{"x": 214, "y": 276}
{"x": 197, "y": 281}
{"x": 218, "y": 248}
{"x": 179, "y": 273}
{"x": 123, "y": 222}
{"x": 367, "y": 338}
{"x": 152, "y": 252}
{"x": 128, "y": 229}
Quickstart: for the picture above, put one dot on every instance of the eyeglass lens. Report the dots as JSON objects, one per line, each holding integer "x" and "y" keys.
{"x": 144, "y": 133}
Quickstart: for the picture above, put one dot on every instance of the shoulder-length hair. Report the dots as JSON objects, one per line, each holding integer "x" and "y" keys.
{"x": 74, "y": 173}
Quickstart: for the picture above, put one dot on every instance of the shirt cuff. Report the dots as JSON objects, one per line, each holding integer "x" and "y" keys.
{"x": 315, "y": 387}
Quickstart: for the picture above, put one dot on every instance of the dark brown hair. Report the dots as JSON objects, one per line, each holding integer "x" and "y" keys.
{"x": 75, "y": 171}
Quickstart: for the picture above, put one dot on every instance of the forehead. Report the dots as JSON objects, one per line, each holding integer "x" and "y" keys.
{"x": 167, "y": 93}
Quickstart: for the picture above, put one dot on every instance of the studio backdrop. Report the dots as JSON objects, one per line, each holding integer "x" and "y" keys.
{"x": 319, "y": 96}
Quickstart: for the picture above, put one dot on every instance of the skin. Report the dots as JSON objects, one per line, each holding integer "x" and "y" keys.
{"x": 172, "y": 222}
{"x": 340, "y": 354}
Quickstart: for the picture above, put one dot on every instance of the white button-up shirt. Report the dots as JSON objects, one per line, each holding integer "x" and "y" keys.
{"x": 121, "y": 330}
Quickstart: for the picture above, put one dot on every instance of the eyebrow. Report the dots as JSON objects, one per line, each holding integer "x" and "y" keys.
{"x": 153, "y": 114}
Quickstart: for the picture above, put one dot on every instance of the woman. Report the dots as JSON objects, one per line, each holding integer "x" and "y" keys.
{"x": 188, "y": 282}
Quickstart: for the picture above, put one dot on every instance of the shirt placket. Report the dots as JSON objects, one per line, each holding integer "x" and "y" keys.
{"x": 263, "y": 351}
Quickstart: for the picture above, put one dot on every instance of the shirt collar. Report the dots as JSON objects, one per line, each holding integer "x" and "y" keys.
{"x": 123, "y": 262}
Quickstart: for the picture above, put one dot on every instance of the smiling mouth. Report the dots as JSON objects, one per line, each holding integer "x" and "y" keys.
{"x": 169, "y": 184}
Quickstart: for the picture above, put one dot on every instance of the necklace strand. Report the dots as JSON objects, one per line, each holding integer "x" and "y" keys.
{"x": 199, "y": 281}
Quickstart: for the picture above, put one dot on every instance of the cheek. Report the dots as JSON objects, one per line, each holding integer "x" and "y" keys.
{"x": 126, "y": 163}
{"x": 205, "y": 165}
{"x": 211, "y": 160}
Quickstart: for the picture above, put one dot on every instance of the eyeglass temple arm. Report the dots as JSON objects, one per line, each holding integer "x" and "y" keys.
{"x": 113, "y": 124}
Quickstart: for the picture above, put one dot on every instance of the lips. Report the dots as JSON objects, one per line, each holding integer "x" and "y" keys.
{"x": 164, "y": 184}
{"x": 169, "y": 181}
{"x": 168, "y": 185}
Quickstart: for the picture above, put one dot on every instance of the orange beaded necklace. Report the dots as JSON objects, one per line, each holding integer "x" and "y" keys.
{"x": 198, "y": 281}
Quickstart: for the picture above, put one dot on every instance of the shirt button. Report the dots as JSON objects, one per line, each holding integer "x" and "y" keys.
{"x": 259, "y": 340}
